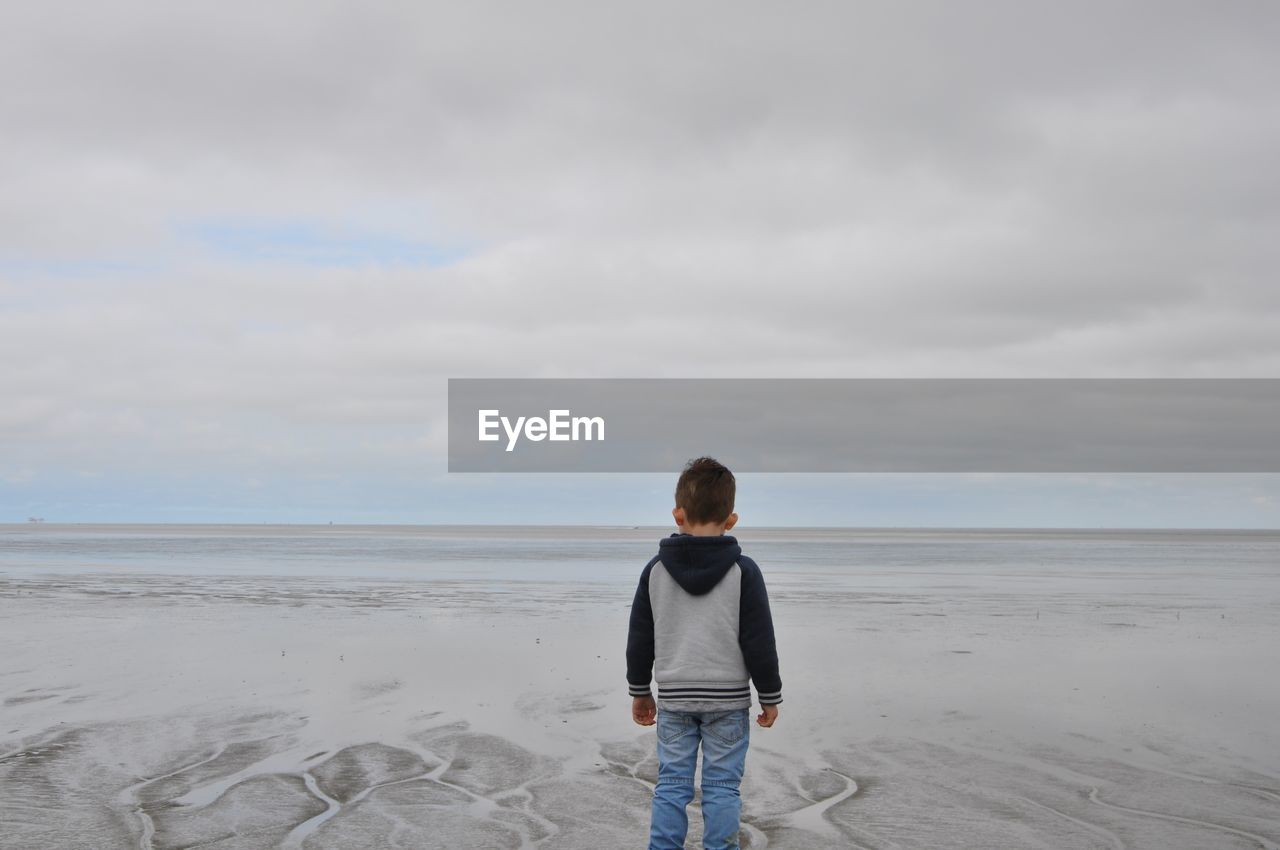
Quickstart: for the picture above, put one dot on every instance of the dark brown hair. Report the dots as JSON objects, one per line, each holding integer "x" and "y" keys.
{"x": 705, "y": 490}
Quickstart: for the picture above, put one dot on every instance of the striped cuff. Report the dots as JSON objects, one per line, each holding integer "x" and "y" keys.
{"x": 638, "y": 690}
{"x": 770, "y": 699}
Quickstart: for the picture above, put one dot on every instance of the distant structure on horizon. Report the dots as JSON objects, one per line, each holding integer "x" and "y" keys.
{"x": 35, "y": 519}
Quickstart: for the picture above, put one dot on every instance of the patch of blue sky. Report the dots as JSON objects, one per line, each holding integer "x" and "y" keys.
{"x": 317, "y": 244}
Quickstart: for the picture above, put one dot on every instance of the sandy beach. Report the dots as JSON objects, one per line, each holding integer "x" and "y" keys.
{"x": 382, "y": 688}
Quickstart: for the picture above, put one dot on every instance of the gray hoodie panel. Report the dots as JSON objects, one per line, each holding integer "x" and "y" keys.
{"x": 698, "y": 664}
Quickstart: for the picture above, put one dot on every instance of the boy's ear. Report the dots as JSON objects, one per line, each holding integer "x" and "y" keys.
{"x": 731, "y": 521}
{"x": 678, "y": 515}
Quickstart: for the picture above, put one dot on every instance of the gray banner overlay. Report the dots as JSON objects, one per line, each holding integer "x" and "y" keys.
{"x": 866, "y": 425}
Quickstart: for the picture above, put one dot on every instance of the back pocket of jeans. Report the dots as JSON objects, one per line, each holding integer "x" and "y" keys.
{"x": 672, "y": 725}
{"x": 729, "y": 728}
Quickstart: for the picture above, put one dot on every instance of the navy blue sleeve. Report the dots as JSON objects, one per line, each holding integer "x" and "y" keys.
{"x": 640, "y": 638}
{"x": 755, "y": 634}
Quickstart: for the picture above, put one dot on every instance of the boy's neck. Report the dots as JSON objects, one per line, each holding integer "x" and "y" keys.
{"x": 702, "y": 529}
{"x": 710, "y": 529}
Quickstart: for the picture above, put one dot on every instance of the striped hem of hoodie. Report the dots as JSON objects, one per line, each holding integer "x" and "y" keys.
{"x": 703, "y": 693}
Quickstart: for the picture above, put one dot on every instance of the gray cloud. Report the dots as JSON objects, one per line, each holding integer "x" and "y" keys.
{"x": 1016, "y": 189}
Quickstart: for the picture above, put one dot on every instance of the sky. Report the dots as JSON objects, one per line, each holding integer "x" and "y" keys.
{"x": 244, "y": 246}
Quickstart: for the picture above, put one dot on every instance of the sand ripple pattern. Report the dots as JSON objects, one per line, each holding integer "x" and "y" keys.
{"x": 453, "y": 786}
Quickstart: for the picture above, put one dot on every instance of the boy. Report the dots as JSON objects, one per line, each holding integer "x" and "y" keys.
{"x": 700, "y": 625}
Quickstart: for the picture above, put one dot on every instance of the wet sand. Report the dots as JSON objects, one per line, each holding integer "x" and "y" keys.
{"x": 924, "y": 709}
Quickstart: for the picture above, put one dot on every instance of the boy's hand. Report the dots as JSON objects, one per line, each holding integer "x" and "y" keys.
{"x": 644, "y": 711}
{"x": 768, "y": 714}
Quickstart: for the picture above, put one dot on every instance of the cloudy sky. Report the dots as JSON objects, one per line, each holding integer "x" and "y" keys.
{"x": 243, "y": 246}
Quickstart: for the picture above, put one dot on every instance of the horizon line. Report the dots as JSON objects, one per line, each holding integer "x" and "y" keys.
{"x": 626, "y": 527}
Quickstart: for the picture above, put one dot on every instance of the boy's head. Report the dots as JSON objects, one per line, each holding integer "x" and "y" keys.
{"x": 704, "y": 497}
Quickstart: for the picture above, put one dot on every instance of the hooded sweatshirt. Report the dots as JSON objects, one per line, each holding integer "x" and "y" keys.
{"x": 700, "y": 625}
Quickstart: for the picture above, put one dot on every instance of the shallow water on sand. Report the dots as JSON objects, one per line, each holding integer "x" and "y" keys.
{"x": 349, "y": 687}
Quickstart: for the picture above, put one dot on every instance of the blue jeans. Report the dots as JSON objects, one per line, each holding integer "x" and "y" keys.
{"x": 724, "y": 736}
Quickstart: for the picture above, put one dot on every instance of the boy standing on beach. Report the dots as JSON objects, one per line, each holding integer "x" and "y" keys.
{"x": 700, "y": 626}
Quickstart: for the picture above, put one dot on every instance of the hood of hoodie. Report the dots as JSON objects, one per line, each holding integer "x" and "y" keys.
{"x": 698, "y": 563}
